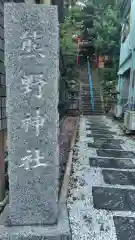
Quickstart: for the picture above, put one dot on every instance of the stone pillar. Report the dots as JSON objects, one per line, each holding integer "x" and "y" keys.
{"x": 32, "y": 71}
{"x": 31, "y": 57}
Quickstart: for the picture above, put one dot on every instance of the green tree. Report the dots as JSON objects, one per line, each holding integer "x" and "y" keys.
{"x": 69, "y": 48}
{"x": 98, "y": 22}
{"x": 101, "y": 26}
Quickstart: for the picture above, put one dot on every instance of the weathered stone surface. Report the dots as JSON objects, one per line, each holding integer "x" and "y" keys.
{"x": 113, "y": 199}
{"x": 101, "y": 131}
{"x": 97, "y": 126}
{"x": 131, "y": 199}
{"x": 115, "y": 154}
{"x": 110, "y": 199}
{"x": 98, "y": 130}
{"x": 119, "y": 177}
{"x": 59, "y": 231}
{"x": 31, "y": 54}
{"x": 101, "y": 136}
{"x": 111, "y": 163}
{"x": 125, "y": 228}
{"x": 95, "y": 121}
{"x": 106, "y": 144}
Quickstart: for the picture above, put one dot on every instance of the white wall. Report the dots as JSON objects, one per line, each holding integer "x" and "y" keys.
{"x": 125, "y": 50}
{"x": 132, "y": 29}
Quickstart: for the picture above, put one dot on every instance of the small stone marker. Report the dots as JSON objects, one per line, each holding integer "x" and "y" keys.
{"x": 31, "y": 48}
{"x": 32, "y": 72}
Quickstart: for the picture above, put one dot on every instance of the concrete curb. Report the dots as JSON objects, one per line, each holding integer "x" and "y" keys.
{"x": 64, "y": 188}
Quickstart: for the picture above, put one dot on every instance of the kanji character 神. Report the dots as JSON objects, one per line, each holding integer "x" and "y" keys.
{"x": 36, "y": 122}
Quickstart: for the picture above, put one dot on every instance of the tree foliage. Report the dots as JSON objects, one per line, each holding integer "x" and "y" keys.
{"x": 101, "y": 26}
{"x": 98, "y": 22}
{"x": 69, "y": 49}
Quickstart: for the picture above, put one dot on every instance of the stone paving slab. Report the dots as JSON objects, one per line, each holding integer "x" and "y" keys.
{"x": 111, "y": 163}
{"x": 113, "y": 199}
{"x": 98, "y": 130}
{"x": 110, "y": 199}
{"x": 125, "y": 228}
{"x": 97, "y": 126}
{"x": 119, "y": 177}
{"x": 115, "y": 154}
{"x": 101, "y": 136}
{"x": 106, "y": 144}
{"x": 95, "y": 121}
{"x": 102, "y": 131}
{"x": 131, "y": 200}
{"x": 109, "y": 141}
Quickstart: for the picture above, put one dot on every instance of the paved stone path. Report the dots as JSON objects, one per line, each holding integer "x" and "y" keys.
{"x": 101, "y": 198}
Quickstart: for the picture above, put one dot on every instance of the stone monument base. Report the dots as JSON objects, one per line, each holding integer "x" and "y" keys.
{"x": 61, "y": 231}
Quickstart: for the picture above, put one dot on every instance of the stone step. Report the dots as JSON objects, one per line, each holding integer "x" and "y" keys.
{"x": 88, "y": 87}
{"x": 85, "y": 95}
{"x": 104, "y": 145}
{"x": 96, "y": 99}
{"x": 115, "y": 154}
{"x": 89, "y": 106}
{"x": 122, "y": 224}
{"x": 111, "y": 163}
{"x": 92, "y": 113}
{"x": 88, "y": 100}
{"x": 99, "y": 111}
{"x": 88, "y": 91}
{"x": 100, "y": 136}
{"x": 119, "y": 177}
{"x": 94, "y": 86}
{"x": 113, "y": 199}
{"x": 98, "y": 105}
{"x": 100, "y": 131}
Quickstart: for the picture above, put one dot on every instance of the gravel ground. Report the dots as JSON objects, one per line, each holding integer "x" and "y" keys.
{"x": 86, "y": 221}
